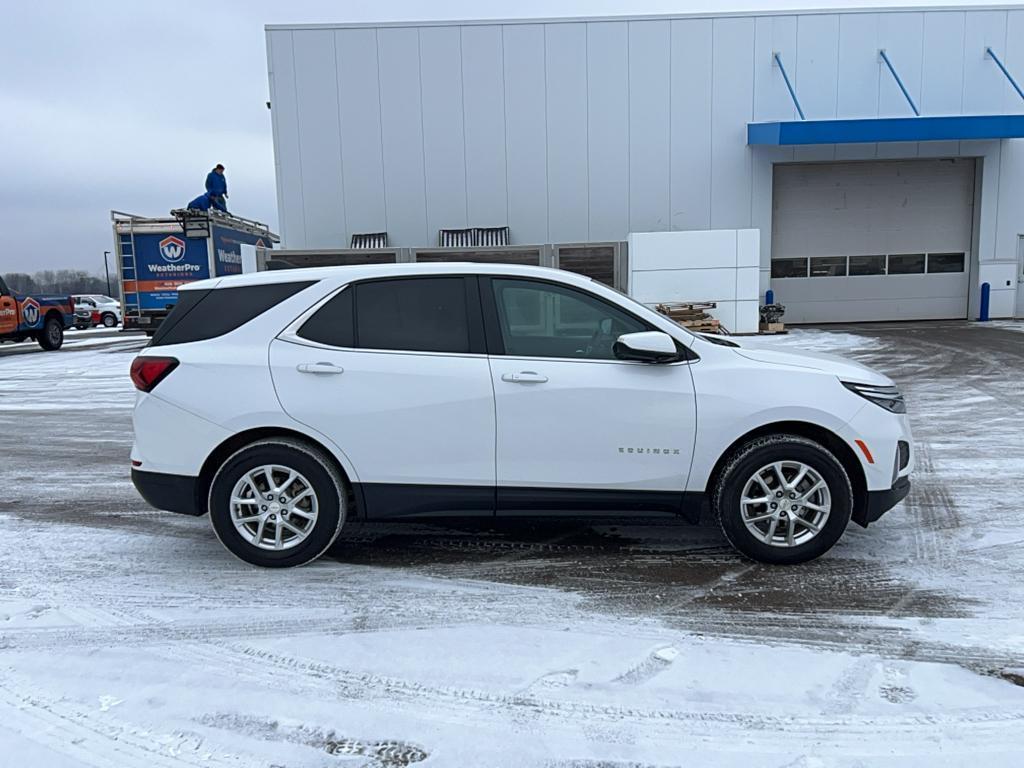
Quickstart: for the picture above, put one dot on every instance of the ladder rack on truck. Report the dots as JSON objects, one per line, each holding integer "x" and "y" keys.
{"x": 157, "y": 254}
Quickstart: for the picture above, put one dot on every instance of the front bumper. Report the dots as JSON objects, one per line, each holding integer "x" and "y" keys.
{"x": 880, "y": 502}
{"x": 174, "y": 493}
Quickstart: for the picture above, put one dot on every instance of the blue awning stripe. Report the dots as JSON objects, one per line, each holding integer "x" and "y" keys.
{"x": 885, "y": 129}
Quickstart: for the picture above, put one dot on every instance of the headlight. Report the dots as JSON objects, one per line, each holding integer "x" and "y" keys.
{"x": 887, "y": 397}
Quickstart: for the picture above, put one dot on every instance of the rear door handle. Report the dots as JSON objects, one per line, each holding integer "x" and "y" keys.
{"x": 525, "y": 377}
{"x": 325, "y": 368}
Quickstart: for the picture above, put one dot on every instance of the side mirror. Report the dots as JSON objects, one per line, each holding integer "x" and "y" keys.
{"x": 646, "y": 347}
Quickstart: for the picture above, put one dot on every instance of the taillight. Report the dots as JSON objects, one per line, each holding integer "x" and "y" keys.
{"x": 71, "y": 303}
{"x": 147, "y": 372}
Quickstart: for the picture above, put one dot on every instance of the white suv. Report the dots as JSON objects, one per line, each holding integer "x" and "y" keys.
{"x": 285, "y": 402}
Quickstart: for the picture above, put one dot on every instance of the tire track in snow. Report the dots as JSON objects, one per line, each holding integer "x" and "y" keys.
{"x": 100, "y": 740}
{"x": 280, "y": 671}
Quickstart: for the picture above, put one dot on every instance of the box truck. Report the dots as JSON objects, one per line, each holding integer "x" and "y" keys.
{"x": 156, "y": 255}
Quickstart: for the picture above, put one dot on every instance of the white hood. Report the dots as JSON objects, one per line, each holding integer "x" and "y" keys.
{"x": 847, "y": 370}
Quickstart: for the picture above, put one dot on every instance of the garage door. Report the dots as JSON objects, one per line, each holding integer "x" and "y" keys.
{"x": 872, "y": 240}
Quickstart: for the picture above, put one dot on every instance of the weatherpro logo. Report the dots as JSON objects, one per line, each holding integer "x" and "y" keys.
{"x": 30, "y": 312}
{"x": 172, "y": 249}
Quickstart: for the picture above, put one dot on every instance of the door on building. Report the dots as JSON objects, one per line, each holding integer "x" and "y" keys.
{"x": 1020, "y": 276}
{"x": 873, "y": 240}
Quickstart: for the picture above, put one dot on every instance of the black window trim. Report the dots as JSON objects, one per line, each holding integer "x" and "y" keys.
{"x": 496, "y": 344}
{"x": 474, "y": 317}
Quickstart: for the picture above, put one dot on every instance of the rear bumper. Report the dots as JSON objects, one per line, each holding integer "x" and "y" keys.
{"x": 880, "y": 502}
{"x": 174, "y": 493}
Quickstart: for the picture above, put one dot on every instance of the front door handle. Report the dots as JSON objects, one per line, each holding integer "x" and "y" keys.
{"x": 525, "y": 377}
{"x": 326, "y": 368}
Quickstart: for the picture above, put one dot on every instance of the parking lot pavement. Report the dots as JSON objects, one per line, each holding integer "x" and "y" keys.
{"x": 129, "y": 637}
{"x": 75, "y": 339}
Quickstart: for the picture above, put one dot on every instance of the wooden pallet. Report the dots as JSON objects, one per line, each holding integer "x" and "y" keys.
{"x": 692, "y": 316}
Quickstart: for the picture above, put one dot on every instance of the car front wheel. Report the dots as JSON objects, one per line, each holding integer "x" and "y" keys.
{"x": 109, "y": 320}
{"x": 277, "y": 503}
{"x": 783, "y": 499}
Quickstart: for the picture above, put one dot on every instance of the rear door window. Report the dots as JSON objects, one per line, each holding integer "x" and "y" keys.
{"x": 419, "y": 314}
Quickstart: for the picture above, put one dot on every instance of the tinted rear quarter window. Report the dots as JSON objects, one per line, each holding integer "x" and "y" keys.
{"x": 332, "y": 324}
{"x": 201, "y": 315}
{"x": 422, "y": 314}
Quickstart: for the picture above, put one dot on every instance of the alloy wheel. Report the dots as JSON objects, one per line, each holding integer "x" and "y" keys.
{"x": 785, "y": 503}
{"x": 274, "y": 507}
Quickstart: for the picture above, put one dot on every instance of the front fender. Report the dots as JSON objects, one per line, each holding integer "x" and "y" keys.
{"x": 731, "y": 404}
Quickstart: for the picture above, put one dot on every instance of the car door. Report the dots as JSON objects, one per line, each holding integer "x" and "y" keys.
{"x": 394, "y": 372}
{"x": 8, "y": 310}
{"x": 578, "y": 428}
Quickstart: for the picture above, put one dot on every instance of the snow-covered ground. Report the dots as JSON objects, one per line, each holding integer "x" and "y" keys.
{"x": 76, "y": 339}
{"x": 129, "y": 637}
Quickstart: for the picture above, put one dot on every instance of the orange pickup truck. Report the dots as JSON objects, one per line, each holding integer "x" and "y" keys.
{"x": 42, "y": 318}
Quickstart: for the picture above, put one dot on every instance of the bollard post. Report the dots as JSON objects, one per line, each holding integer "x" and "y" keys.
{"x": 983, "y": 309}
{"x": 769, "y": 296}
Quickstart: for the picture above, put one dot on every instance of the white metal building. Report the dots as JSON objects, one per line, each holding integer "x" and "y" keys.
{"x": 583, "y": 131}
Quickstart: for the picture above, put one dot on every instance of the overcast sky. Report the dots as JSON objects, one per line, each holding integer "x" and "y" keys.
{"x": 127, "y": 105}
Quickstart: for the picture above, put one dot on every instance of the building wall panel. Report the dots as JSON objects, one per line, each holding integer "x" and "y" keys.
{"x": 608, "y": 130}
{"x": 984, "y": 85}
{"x": 942, "y": 81}
{"x": 287, "y": 155}
{"x": 649, "y": 140}
{"x": 402, "y": 136}
{"x": 771, "y": 97}
{"x": 565, "y": 57}
{"x": 444, "y": 142}
{"x": 690, "y": 114}
{"x": 362, "y": 160}
{"x": 731, "y": 110}
{"x": 316, "y": 93}
{"x": 526, "y": 133}
{"x": 483, "y": 88}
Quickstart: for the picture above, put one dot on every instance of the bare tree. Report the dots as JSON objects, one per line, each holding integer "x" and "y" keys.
{"x": 62, "y": 282}
{"x": 20, "y": 282}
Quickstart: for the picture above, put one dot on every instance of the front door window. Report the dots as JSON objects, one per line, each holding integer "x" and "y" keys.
{"x": 544, "y": 320}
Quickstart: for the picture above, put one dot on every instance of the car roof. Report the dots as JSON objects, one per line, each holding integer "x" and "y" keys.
{"x": 365, "y": 271}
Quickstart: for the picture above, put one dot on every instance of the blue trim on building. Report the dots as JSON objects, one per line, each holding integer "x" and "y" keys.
{"x": 883, "y": 129}
{"x": 792, "y": 93}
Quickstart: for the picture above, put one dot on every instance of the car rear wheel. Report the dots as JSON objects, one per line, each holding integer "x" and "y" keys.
{"x": 783, "y": 499}
{"x": 109, "y": 320}
{"x": 52, "y": 336}
{"x": 277, "y": 503}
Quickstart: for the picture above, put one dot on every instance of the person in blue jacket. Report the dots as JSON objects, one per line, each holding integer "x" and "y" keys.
{"x": 201, "y": 203}
{"x": 217, "y": 188}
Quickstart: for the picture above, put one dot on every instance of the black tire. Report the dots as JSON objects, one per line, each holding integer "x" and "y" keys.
{"x": 52, "y": 335}
{"x": 109, "y": 320}
{"x": 313, "y": 464}
{"x": 758, "y": 453}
